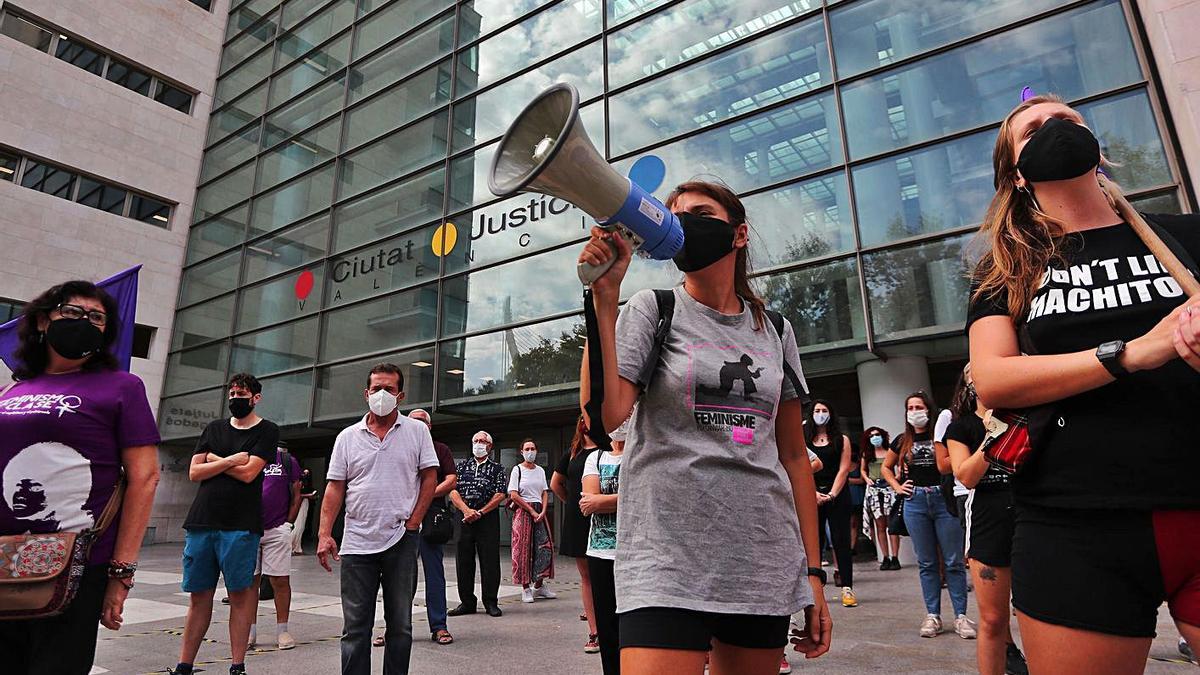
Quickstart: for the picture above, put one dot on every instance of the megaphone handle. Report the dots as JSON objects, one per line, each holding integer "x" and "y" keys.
{"x": 589, "y": 273}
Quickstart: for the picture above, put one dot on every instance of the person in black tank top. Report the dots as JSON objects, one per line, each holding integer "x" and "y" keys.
{"x": 567, "y": 485}
{"x": 823, "y": 435}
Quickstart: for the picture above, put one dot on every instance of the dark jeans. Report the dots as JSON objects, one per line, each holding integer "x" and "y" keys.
{"x": 837, "y": 513}
{"x": 396, "y": 569}
{"x": 604, "y": 604}
{"x": 60, "y": 645}
{"x": 481, "y": 538}
{"x": 435, "y": 585}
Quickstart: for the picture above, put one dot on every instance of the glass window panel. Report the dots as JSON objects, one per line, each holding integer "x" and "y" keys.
{"x": 49, "y": 179}
{"x": 1081, "y": 52}
{"x": 295, "y": 246}
{"x": 292, "y": 201}
{"x": 933, "y": 189}
{"x": 305, "y": 111}
{"x": 771, "y": 69}
{"x": 128, "y": 76}
{"x": 237, "y": 51}
{"x": 19, "y": 29}
{"x": 340, "y": 388}
{"x": 878, "y": 32}
{"x": 299, "y": 154}
{"x": 919, "y": 290}
{"x": 1165, "y": 203}
{"x": 203, "y": 323}
{"x": 196, "y": 368}
{"x": 487, "y": 116}
{"x": 290, "y": 346}
{"x": 801, "y": 221}
{"x": 468, "y": 178}
{"x": 80, "y": 55}
{"x": 216, "y": 235}
{"x": 101, "y": 196}
{"x": 288, "y": 297}
{"x": 173, "y": 97}
{"x": 224, "y": 192}
{"x": 149, "y": 210}
{"x": 210, "y": 278}
{"x": 691, "y": 30}
{"x": 552, "y": 30}
{"x": 303, "y": 39}
{"x": 823, "y": 303}
{"x": 238, "y": 148}
{"x": 295, "y": 11}
{"x": 515, "y": 361}
{"x": 240, "y": 79}
{"x": 389, "y": 266}
{"x": 416, "y": 96}
{"x": 245, "y": 16}
{"x": 394, "y": 209}
{"x": 236, "y": 115}
{"x": 8, "y": 166}
{"x": 484, "y": 16}
{"x": 394, "y": 156}
{"x": 388, "y": 24}
{"x": 515, "y": 226}
{"x": 402, "y": 59}
{"x": 393, "y": 321}
{"x": 513, "y": 292}
{"x": 309, "y": 70}
{"x": 286, "y": 398}
{"x": 619, "y": 10}
{"x": 1130, "y": 138}
{"x": 786, "y": 142}
{"x": 186, "y": 416}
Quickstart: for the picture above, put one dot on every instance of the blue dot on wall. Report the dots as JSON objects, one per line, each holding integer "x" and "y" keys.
{"x": 648, "y": 172}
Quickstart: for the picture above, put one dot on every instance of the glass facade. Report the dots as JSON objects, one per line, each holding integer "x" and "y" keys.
{"x": 343, "y": 217}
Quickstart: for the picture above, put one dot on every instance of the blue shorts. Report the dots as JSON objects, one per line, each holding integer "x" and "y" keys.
{"x": 207, "y": 553}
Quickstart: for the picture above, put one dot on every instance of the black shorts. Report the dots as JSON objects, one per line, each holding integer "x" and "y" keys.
{"x": 990, "y": 522}
{"x": 670, "y": 628}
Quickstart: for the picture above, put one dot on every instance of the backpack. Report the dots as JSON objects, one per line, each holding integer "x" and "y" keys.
{"x": 665, "y": 299}
{"x": 285, "y": 460}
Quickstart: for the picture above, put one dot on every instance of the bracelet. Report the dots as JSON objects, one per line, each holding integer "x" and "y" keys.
{"x": 126, "y": 582}
{"x": 118, "y": 569}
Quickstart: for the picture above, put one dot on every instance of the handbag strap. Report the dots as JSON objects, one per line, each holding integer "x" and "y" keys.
{"x": 111, "y": 508}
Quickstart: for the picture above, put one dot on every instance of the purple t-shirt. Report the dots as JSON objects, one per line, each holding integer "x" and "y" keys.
{"x": 60, "y": 450}
{"x": 277, "y": 491}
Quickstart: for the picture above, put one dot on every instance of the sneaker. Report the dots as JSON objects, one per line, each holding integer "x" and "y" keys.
{"x": 885, "y": 565}
{"x": 837, "y": 577}
{"x": 543, "y": 592}
{"x": 592, "y": 646}
{"x": 1014, "y": 661}
{"x": 848, "y": 599}
{"x": 784, "y": 666}
{"x": 527, "y": 595}
{"x": 931, "y": 626}
{"x": 285, "y": 641}
{"x": 964, "y": 627}
{"x": 895, "y": 563}
{"x": 1185, "y": 650}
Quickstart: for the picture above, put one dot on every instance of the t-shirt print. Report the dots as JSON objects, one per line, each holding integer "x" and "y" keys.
{"x": 1102, "y": 284}
{"x": 725, "y": 393}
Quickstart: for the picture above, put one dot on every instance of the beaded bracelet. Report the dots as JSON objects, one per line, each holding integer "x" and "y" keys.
{"x": 118, "y": 569}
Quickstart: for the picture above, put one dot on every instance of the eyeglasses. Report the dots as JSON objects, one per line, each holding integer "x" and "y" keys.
{"x": 97, "y": 318}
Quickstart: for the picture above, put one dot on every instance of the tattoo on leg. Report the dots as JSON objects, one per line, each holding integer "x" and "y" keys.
{"x": 987, "y": 573}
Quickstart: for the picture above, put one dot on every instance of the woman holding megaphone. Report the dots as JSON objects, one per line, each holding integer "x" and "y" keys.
{"x": 1073, "y": 313}
{"x": 713, "y": 539}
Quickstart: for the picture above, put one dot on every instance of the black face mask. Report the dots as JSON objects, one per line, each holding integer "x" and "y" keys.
{"x": 240, "y": 407}
{"x": 705, "y": 241}
{"x": 1060, "y": 150}
{"x": 74, "y": 338}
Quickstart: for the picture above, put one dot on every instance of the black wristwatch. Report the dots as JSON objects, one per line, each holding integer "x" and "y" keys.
{"x": 1109, "y": 355}
{"x": 818, "y": 573}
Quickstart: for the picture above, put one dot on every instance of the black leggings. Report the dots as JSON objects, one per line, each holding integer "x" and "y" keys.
{"x": 837, "y": 514}
{"x": 604, "y": 606}
{"x": 60, "y": 645}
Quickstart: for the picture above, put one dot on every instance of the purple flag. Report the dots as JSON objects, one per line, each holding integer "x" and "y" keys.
{"x": 123, "y": 287}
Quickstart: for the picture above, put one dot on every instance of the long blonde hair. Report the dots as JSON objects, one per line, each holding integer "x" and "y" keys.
{"x": 1020, "y": 239}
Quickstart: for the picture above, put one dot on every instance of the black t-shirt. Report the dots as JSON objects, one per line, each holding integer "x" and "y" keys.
{"x": 1127, "y": 444}
{"x": 224, "y": 502}
{"x": 572, "y": 469}
{"x": 922, "y": 462}
{"x": 831, "y": 460}
{"x": 969, "y": 431}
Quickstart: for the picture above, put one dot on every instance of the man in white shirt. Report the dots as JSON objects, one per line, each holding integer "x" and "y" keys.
{"x": 384, "y": 468}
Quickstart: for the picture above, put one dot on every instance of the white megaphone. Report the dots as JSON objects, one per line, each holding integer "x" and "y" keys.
{"x": 547, "y": 150}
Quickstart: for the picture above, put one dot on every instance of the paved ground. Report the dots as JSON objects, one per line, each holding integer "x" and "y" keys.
{"x": 546, "y": 637}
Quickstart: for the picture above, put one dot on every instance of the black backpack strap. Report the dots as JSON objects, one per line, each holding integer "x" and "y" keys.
{"x": 285, "y": 459}
{"x": 665, "y": 299}
{"x": 776, "y": 320}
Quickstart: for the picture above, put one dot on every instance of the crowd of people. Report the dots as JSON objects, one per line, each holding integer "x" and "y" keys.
{"x": 697, "y": 510}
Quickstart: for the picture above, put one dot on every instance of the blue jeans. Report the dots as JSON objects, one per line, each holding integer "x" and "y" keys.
{"x": 435, "y": 585}
{"x": 396, "y": 570}
{"x": 931, "y": 526}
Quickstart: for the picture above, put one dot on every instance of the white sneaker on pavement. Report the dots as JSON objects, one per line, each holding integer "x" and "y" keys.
{"x": 544, "y": 593}
{"x": 931, "y": 626}
{"x": 527, "y": 595}
{"x": 285, "y": 641}
{"x": 965, "y": 627}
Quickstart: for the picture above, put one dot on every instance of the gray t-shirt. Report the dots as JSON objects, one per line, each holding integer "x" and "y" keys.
{"x": 707, "y": 521}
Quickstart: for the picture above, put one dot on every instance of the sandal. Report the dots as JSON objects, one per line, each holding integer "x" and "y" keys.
{"x": 442, "y": 637}
{"x": 378, "y": 642}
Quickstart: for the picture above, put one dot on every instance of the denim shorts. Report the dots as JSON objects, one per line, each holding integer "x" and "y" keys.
{"x": 207, "y": 553}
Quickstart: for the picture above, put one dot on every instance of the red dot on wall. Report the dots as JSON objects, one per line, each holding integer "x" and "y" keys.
{"x": 304, "y": 284}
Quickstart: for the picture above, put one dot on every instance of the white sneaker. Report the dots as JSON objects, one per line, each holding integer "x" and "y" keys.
{"x": 526, "y": 595}
{"x": 931, "y": 626}
{"x": 964, "y": 627}
{"x": 544, "y": 593}
{"x": 285, "y": 641}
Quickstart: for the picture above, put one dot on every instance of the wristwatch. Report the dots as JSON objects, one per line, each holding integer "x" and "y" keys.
{"x": 819, "y": 574}
{"x": 1109, "y": 355}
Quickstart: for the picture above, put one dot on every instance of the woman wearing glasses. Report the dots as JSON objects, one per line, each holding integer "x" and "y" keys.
{"x": 70, "y": 424}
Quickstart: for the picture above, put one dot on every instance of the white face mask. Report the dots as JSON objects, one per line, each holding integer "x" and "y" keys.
{"x": 529, "y": 455}
{"x": 918, "y": 418}
{"x": 821, "y": 418}
{"x": 480, "y": 450}
{"x": 382, "y": 402}
{"x": 877, "y": 441}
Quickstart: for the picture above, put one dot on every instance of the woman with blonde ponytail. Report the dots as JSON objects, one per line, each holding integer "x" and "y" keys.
{"x": 1070, "y": 308}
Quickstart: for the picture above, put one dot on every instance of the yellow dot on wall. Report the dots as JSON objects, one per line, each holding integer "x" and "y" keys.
{"x": 444, "y": 239}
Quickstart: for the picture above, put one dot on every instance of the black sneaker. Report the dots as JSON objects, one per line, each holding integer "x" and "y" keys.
{"x": 885, "y": 565}
{"x": 895, "y": 563}
{"x": 1014, "y": 661}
